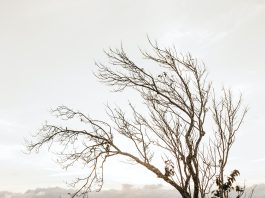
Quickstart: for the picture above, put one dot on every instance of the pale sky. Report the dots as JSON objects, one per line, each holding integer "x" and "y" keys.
{"x": 47, "y": 54}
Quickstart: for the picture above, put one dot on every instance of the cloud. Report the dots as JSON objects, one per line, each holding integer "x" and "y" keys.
{"x": 9, "y": 152}
{"x": 127, "y": 191}
{"x": 259, "y": 160}
{"x": 38, "y": 193}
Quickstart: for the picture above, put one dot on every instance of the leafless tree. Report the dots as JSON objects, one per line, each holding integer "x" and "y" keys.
{"x": 185, "y": 119}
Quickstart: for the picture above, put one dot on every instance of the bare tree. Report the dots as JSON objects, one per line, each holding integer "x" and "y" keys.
{"x": 180, "y": 102}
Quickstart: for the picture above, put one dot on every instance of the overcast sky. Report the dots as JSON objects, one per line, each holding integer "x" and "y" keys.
{"x": 47, "y": 54}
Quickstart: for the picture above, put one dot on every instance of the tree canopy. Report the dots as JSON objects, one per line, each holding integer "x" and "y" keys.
{"x": 186, "y": 119}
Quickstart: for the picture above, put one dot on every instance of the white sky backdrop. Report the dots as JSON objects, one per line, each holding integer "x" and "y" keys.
{"x": 47, "y": 54}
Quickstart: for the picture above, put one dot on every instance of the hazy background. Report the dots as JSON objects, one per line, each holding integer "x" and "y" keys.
{"x": 47, "y": 54}
{"x": 126, "y": 191}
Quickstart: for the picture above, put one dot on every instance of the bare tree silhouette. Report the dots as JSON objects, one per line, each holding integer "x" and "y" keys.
{"x": 180, "y": 102}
